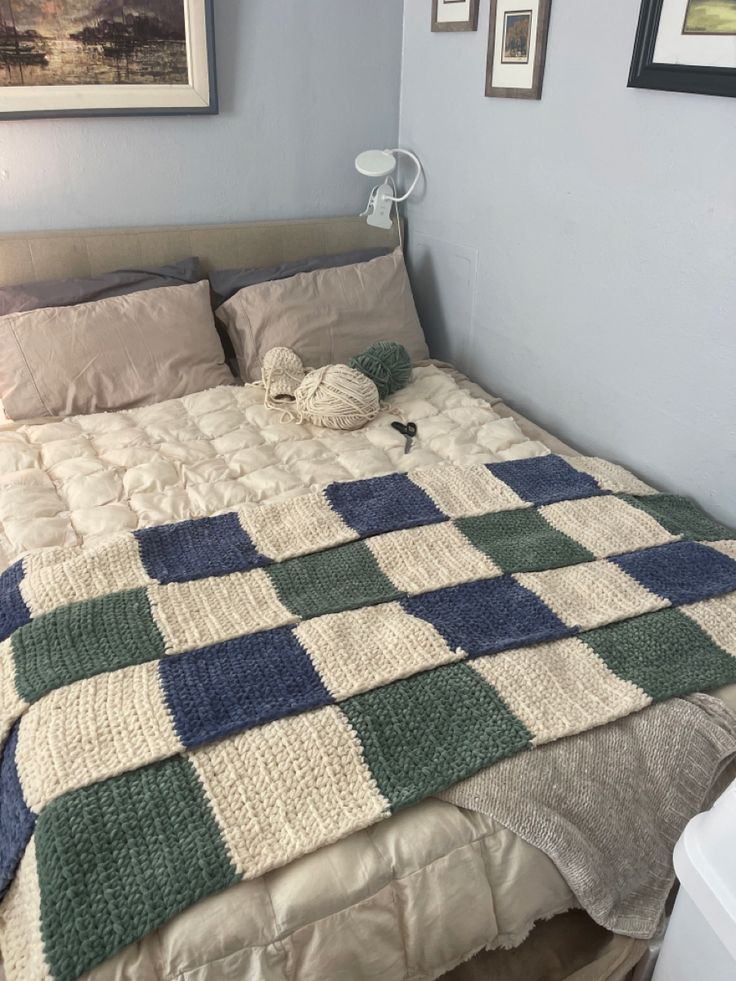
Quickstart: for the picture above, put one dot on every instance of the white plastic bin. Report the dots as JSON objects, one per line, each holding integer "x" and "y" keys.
{"x": 700, "y": 942}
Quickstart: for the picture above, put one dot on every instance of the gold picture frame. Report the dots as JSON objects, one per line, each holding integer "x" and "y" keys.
{"x": 80, "y": 58}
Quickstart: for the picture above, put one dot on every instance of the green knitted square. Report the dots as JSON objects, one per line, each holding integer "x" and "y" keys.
{"x": 522, "y": 541}
{"x": 664, "y": 653}
{"x": 426, "y": 732}
{"x": 84, "y": 639}
{"x": 680, "y": 516}
{"x": 118, "y": 859}
{"x": 343, "y": 578}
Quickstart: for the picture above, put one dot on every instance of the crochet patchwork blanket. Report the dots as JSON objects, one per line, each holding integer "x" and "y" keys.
{"x": 192, "y": 704}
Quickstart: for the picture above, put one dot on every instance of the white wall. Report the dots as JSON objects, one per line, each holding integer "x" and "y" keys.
{"x": 578, "y": 254}
{"x": 299, "y": 97}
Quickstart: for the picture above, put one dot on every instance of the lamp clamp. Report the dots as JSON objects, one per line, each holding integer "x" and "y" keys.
{"x": 380, "y": 203}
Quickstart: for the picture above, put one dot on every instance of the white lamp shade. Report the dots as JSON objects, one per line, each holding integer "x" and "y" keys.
{"x": 375, "y": 163}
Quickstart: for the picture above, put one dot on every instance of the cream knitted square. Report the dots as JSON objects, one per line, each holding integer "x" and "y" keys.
{"x": 287, "y": 788}
{"x": 606, "y": 525}
{"x": 430, "y": 557}
{"x": 559, "y": 688}
{"x": 463, "y": 491}
{"x": 610, "y": 476}
{"x": 363, "y": 649}
{"x": 295, "y": 526}
{"x": 93, "y": 730}
{"x": 591, "y": 594}
{"x": 112, "y": 565}
{"x": 209, "y": 611}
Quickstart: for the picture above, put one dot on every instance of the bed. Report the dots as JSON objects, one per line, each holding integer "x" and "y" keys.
{"x": 412, "y": 896}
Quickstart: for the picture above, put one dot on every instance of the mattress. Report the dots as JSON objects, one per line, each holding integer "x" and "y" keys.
{"x": 410, "y": 897}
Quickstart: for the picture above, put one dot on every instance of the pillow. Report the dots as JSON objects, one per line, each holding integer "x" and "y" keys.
{"x": 110, "y": 354}
{"x": 226, "y": 282}
{"x": 327, "y": 316}
{"x": 66, "y": 292}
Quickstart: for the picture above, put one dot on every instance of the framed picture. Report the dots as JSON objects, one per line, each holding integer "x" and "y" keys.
{"x": 686, "y": 46}
{"x": 106, "y": 57}
{"x": 455, "y": 15}
{"x": 517, "y": 44}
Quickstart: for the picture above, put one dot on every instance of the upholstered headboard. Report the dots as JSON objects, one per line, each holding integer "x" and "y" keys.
{"x": 36, "y": 256}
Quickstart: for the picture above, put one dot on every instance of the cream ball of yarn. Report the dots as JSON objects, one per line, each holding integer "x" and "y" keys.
{"x": 282, "y": 372}
{"x": 337, "y": 397}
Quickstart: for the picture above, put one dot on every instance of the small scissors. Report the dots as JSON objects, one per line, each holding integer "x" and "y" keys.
{"x": 408, "y": 431}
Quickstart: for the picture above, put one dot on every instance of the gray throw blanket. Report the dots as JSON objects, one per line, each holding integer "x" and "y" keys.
{"x": 607, "y": 806}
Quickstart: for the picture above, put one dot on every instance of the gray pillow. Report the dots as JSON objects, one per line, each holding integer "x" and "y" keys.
{"x": 326, "y": 316}
{"x": 69, "y": 292}
{"x": 111, "y": 354}
{"x": 227, "y": 282}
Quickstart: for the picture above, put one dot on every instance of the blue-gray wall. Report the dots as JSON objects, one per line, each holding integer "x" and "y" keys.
{"x": 578, "y": 254}
{"x": 299, "y": 95}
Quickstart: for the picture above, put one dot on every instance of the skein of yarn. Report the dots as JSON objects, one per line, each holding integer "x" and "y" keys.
{"x": 387, "y": 364}
{"x": 282, "y": 372}
{"x": 338, "y": 397}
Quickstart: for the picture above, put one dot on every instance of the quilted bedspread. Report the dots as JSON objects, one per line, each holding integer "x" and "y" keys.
{"x": 68, "y": 483}
{"x": 192, "y": 704}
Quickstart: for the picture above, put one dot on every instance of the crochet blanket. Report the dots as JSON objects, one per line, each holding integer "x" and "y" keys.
{"x": 192, "y": 704}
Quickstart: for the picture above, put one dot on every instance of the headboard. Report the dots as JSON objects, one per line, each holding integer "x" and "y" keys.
{"x": 26, "y": 258}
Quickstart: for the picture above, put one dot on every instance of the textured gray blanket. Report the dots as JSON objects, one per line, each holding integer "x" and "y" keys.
{"x": 607, "y": 806}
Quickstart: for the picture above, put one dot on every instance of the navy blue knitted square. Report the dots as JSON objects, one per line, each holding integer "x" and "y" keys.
{"x": 16, "y": 818}
{"x": 487, "y": 616}
{"x": 218, "y": 690}
{"x": 683, "y": 572}
{"x": 13, "y": 610}
{"x": 380, "y": 504}
{"x": 197, "y": 549}
{"x": 545, "y": 479}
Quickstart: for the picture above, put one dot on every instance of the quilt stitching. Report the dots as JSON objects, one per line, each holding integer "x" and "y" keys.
{"x": 164, "y": 464}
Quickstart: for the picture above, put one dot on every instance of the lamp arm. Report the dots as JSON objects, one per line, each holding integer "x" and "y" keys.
{"x": 412, "y": 156}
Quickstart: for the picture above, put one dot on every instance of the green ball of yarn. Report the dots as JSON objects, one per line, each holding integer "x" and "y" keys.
{"x": 386, "y": 363}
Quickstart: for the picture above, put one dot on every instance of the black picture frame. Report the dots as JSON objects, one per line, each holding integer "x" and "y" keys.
{"x": 210, "y": 107}
{"x": 645, "y": 73}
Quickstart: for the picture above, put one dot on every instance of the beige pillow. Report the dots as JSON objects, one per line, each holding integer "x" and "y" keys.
{"x": 327, "y": 316}
{"x": 110, "y": 354}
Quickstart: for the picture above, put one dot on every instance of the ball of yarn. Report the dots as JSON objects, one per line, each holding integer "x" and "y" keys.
{"x": 282, "y": 372}
{"x": 337, "y": 397}
{"x": 387, "y": 364}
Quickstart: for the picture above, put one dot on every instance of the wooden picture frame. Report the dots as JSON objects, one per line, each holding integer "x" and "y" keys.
{"x": 648, "y": 73}
{"x": 63, "y": 59}
{"x": 470, "y": 23}
{"x": 517, "y": 48}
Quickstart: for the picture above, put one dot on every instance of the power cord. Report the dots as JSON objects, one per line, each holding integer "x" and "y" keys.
{"x": 398, "y": 216}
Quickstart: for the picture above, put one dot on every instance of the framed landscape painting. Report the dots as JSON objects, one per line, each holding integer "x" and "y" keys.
{"x": 686, "y": 46}
{"x": 106, "y": 57}
{"x": 517, "y": 45}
